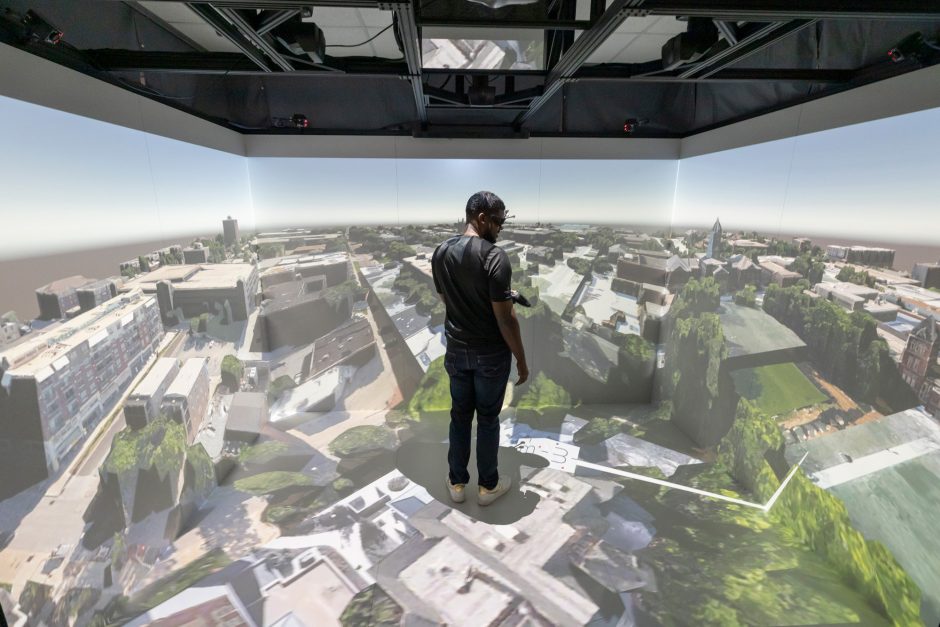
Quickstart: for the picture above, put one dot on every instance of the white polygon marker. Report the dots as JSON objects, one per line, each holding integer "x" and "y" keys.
{"x": 565, "y": 457}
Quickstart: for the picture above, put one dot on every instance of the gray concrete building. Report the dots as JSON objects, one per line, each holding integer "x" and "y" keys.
{"x": 197, "y": 289}
{"x": 187, "y": 398}
{"x": 230, "y": 231}
{"x": 143, "y": 403}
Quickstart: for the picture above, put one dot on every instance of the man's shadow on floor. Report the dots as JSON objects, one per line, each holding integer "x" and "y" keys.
{"x": 425, "y": 463}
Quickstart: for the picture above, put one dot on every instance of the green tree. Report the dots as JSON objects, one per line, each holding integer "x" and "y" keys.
{"x": 579, "y": 265}
{"x": 399, "y": 250}
{"x": 232, "y": 371}
{"x": 747, "y": 296}
{"x": 144, "y": 263}
{"x": 543, "y": 393}
{"x": 696, "y": 297}
{"x": 277, "y": 387}
{"x": 850, "y": 274}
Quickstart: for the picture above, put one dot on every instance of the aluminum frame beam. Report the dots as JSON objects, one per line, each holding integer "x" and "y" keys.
{"x": 764, "y": 37}
{"x": 249, "y": 33}
{"x": 411, "y": 44}
{"x": 235, "y": 64}
{"x": 581, "y": 50}
{"x": 214, "y": 18}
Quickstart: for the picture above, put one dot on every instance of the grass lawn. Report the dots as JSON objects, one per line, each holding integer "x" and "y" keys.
{"x": 777, "y": 389}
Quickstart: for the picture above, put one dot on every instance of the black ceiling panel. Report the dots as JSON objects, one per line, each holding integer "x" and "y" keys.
{"x": 770, "y": 55}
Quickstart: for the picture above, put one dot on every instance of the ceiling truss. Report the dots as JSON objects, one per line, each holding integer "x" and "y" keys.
{"x": 745, "y": 28}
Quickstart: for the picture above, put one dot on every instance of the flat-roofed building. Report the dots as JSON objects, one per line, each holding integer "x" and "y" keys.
{"x": 540, "y": 254}
{"x": 296, "y": 313}
{"x": 247, "y": 414}
{"x": 143, "y": 403}
{"x": 871, "y": 256}
{"x": 56, "y": 386}
{"x": 9, "y": 332}
{"x": 59, "y": 299}
{"x": 187, "y": 398}
{"x": 333, "y": 267}
{"x": 230, "y": 231}
{"x": 95, "y": 293}
{"x": 195, "y": 254}
{"x": 197, "y": 289}
{"x": 927, "y": 275}
{"x": 849, "y": 296}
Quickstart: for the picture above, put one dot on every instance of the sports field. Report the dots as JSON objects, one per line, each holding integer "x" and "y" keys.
{"x": 777, "y": 389}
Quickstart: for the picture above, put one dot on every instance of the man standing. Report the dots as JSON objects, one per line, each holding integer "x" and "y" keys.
{"x": 472, "y": 276}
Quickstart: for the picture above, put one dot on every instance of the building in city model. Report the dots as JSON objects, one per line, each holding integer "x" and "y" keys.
{"x": 96, "y": 293}
{"x": 927, "y": 275}
{"x": 527, "y": 236}
{"x": 143, "y": 403}
{"x": 775, "y": 273}
{"x": 540, "y": 254}
{"x": 131, "y": 266}
{"x": 187, "y": 398}
{"x": 294, "y": 239}
{"x": 920, "y": 364}
{"x": 197, "y": 253}
{"x": 59, "y": 299}
{"x": 296, "y": 313}
{"x": 352, "y": 344}
{"x": 805, "y": 244}
{"x": 742, "y": 271}
{"x": 247, "y": 414}
{"x": 199, "y": 289}
{"x": 747, "y": 245}
{"x": 714, "y": 241}
{"x": 9, "y": 332}
{"x": 230, "y": 231}
{"x": 669, "y": 272}
{"x": 333, "y": 267}
{"x": 862, "y": 255}
{"x": 849, "y": 296}
{"x": 55, "y": 387}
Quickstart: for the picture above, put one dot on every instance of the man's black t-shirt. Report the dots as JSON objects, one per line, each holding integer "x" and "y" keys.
{"x": 470, "y": 273}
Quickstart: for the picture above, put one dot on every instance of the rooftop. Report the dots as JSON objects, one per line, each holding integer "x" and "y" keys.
{"x": 157, "y": 375}
{"x": 38, "y": 355}
{"x": 188, "y": 375}
{"x": 341, "y": 343}
{"x": 247, "y": 412}
{"x": 195, "y": 277}
{"x": 60, "y": 285}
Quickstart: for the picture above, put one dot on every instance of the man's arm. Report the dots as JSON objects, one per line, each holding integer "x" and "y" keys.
{"x": 509, "y": 327}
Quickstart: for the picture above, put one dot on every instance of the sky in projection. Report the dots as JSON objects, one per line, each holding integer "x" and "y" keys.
{"x": 71, "y": 182}
{"x": 74, "y": 183}
{"x": 876, "y": 181}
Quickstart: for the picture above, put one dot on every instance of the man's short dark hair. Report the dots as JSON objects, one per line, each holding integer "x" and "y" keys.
{"x": 484, "y": 202}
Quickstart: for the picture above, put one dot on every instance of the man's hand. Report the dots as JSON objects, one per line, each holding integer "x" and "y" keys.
{"x": 523, "y": 370}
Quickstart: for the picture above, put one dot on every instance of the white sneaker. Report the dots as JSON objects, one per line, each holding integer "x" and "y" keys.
{"x": 485, "y": 497}
{"x": 457, "y": 492}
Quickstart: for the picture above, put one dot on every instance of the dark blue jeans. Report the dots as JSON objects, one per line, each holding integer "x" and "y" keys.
{"x": 478, "y": 380}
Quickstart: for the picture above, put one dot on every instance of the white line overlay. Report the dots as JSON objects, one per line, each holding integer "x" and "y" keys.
{"x": 563, "y": 456}
{"x": 631, "y": 475}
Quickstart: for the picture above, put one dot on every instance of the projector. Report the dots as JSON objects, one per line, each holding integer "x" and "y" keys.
{"x": 700, "y": 35}
{"x": 302, "y": 38}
